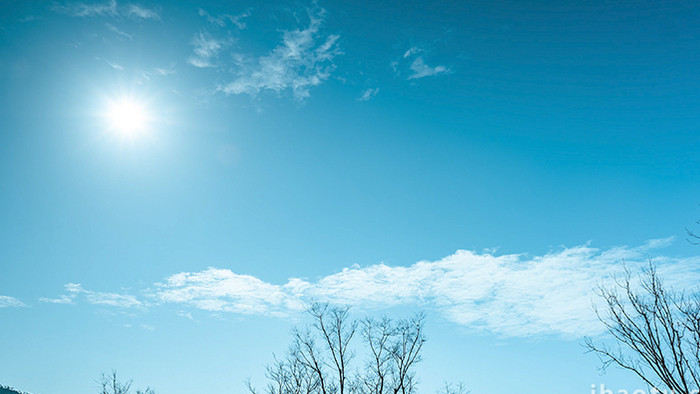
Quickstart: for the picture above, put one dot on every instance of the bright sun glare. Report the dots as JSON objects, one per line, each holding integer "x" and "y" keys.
{"x": 127, "y": 117}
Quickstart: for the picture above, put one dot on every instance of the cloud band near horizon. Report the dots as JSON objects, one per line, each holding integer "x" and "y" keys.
{"x": 514, "y": 295}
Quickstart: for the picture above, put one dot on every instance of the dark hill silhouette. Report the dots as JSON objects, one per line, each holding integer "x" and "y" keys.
{"x": 10, "y": 390}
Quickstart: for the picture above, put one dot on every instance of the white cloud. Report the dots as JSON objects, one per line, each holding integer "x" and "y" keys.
{"x": 63, "y": 299}
{"x": 110, "y": 8}
{"x": 10, "y": 302}
{"x": 420, "y": 69}
{"x": 222, "y": 290}
{"x": 368, "y": 94}
{"x": 220, "y": 20}
{"x": 513, "y": 295}
{"x": 301, "y": 61}
{"x": 113, "y": 299}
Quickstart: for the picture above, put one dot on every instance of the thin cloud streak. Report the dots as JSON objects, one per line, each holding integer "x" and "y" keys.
{"x": 368, "y": 94}
{"x": 117, "y": 31}
{"x": 115, "y": 65}
{"x": 62, "y": 299}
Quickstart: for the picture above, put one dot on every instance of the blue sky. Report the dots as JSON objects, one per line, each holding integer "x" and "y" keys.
{"x": 488, "y": 163}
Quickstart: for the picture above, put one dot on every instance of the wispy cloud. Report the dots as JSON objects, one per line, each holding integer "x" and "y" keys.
{"x": 512, "y": 295}
{"x": 206, "y": 50}
{"x": 86, "y": 10}
{"x": 10, "y": 302}
{"x": 221, "y": 20}
{"x": 418, "y": 68}
{"x": 75, "y": 290}
{"x": 135, "y": 11}
{"x": 110, "y": 8}
{"x": 368, "y": 94}
{"x": 302, "y": 60}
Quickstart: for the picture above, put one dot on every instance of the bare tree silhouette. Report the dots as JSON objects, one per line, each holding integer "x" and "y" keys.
{"x": 453, "y": 388}
{"x": 319, "y": 359}
{"x": 110, "y": 384}
{"x": 656, "y": 330}
{"x": 693, "y": 237}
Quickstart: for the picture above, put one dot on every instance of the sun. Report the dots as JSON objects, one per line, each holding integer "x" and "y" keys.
{"x": 127, "y": 117}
